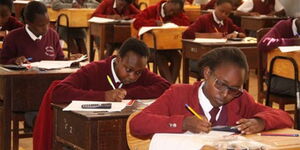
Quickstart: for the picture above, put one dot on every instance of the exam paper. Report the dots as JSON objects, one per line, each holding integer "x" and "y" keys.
{"x": 164, "y": 26}
{"x": 286, "y": 49}
{"x": 210, "y": 40}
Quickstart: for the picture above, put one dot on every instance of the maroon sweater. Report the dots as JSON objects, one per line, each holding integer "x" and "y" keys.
{"x": 11, "y": 24}
{"x": 206, "y": 24}
{"x": 264, "y": 8}
{"x": 90, "y": 83}
{"x": 18, "y": 43}
{"x": 170, "y": 108}
{"x": 150, "y": 15}
{"x": 105, "y": 8}
{"x": 280, "y": 35}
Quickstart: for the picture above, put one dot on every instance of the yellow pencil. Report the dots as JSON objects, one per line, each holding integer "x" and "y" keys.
{"x": 216, "y": 30}
{"x": 110, "y": 82}
{"x": 193, "y": 111}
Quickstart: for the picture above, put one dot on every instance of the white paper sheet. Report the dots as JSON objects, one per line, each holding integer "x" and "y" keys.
{"x": 164, "y": 26}
{"x": 286, "y": 49}
{"x": 76, "y": 106}
{"x": 210, "y": 40}
{"x": 107, "y": 20}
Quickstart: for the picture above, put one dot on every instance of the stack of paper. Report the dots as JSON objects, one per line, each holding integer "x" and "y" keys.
{"x": 164, "y": 26}
{"x": 210, "y": 40}
{"x": 285, "y": 49}
{"x": 115, "y": 106}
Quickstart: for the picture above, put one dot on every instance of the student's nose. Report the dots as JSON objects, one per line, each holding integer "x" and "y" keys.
{"x": 224, "y": 92}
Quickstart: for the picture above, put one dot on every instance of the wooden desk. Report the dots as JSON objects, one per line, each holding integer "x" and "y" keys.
{"x": 53, "y": 14}
{"x": 108, "y": 33}
{"x": 91, "y": 131}
{"x": 192, "y": 11}
{"x": 283, "y": 67}
{"x": 255, "y": 23}
{"x": 19, "y": 5}
{"x": 22, "y": 91}
{"x": 146, "y": 3}
{"x": 194, "y": 50}
{"x": 1, "y": 44}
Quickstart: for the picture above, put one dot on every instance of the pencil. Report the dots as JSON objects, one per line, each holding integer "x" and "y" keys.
{"x": 193, "y": 111}
{"x": 277, "y": 134}
{"x": 110, "y": 82}
{"x": 216, "y": 30}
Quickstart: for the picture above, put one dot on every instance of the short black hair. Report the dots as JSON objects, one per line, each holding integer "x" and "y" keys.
{"x": 219, "y": 2}
{"x": 7, "y": 3}
{"x": 180, "y": 2}
{"x": 128, "y": 1}
{"x": 222, "y": 55}
{"x": 134, "y": 45}
{"x": 32, "y": 9}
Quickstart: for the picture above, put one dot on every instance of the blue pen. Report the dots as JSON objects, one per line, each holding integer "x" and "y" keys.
{"x": 29, "y": 58}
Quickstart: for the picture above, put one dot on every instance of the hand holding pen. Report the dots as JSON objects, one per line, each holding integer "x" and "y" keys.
{"x": 196, "y": 123}
{"x": 22, "y": 60}
{"x": 115, "y": 95}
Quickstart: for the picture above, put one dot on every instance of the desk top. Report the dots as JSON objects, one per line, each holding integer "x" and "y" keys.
{"x": 1, "y": 44}
{"x": 228, "y": 43}
{"x": 263, "y": 17}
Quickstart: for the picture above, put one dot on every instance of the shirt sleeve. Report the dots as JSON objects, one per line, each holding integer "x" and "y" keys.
{"x": 278, "y": 6}
{"x": 247, "y": 6}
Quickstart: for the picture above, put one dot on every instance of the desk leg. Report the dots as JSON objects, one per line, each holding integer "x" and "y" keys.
{"x": 5, "y": 116}
{"x": 185, "y": 69}
{"x": 92, "y": 51}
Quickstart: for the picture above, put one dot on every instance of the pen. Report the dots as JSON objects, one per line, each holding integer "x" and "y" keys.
{"x": 110, "y": 82}
{"x": 193, "y": 111}
{"x": 277, "y": 134}
{"x": 216, "y": 30}
{"x": 29, "y": 58}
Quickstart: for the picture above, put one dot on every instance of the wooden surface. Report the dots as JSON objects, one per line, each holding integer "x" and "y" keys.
{"x": 164, "y": 39}
{"x": 146, "y": 3}
{"x": 90, "y": 130}
{"x": 78, "y": 18}
{"x": 1, "y": 44}
{"x": 53, "y": 14}
{"x": 255, "y": 23}
{"x": 22, "y": 91}
{"x": 108, "y": 33}
{"x": 283, "y": 67}
{"x": 192, "y": 11}
{"x": 19, "y": 6}
{"x": 194, "y": 50}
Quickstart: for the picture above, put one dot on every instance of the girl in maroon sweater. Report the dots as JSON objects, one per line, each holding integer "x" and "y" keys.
{"x": 216, "y": 21}
{"x": 260, "y": 7}
{"x": 219, "y": 99}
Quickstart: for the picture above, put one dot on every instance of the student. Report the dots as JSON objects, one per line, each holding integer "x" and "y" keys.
{"x": 115, "y": 9}
{"x": 156, "y": 15}
{"x": 7, "y": 22}
{"x": 127, "y": 72}
{"x": 211, "y": 4}
{"x": 284, "y": 33}
{"x": 35, "y": 41}
{"x": 215, "y": 22}
{"x": 74, "y": 36}
{"x": 260, "y": 7}
{"x": 219, "y": 99}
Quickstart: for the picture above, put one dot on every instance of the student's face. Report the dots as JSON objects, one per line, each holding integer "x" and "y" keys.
{"x": 121, "y": 4}
{"x": 4, "y": 14}
{"x": 40, "y": 25}
{"x": 172, "y": 9}
{"x": 223, "y": 11}
{"x": 130, "y": 67}
{"x": 223, "y": 84}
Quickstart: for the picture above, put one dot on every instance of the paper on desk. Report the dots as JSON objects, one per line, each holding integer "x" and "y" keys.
{"x": 164, "y": 26}
{"x": 55, "y": 64}
{"x": 107, "y": 20}
{"x": 286, "y": 49}
{"x": 210, "y": 40}
{"x": 115, "y": 106}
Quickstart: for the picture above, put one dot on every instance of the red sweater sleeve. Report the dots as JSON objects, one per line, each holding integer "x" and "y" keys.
{"x": 149, "y": 86}
{"x": 133, "y": 11}
{"x": 60, "y": 54}
{"x": 146, "y": 18}
{"x": 189, "y": 33}
{"x": 101, "y": 9}
{"x": 9, "y": 51}
{"x": 181, "y": 20}
{"x": 273, "y": 118}
{"x": 156, "y": 117}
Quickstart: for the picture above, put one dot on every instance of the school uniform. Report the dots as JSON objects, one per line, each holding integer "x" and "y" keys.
{"x": 209, "y": 23}
{"x": 108, "y": 7}
{"x": 150, "y": 15}
{"x": 263, "y": 7}
{"x": 90, "y": 83}
{"x": 284, "y": 33}
{"x": 22, "y": 42}
{"x": 167, "y": 113}
{"x": 11, "y": 24}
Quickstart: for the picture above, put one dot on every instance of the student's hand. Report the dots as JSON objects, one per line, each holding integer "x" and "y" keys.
{"x": 159, "y": 23}
{"x": 231, "y": 35}
{"x": 3, "y": 33}
{"x": 250, "y": 126}
{"x": 75, "y": 56}
{"x": 125, "y": 18}
{"x": 241, "y": 35}
{"x": 116, "y": 95}
{"x": 117, "y": 17}
{"x": 195, "y": 125}
{"x": 254, "y": 14}
{"x": 21, "y": 60}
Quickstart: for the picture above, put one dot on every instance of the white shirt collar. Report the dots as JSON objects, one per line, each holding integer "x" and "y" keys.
{"x": 115, "y": 4}
{"x": 162, "y": 12}
{"x": 32, "y": 36}
{"x": 262, "y": 0}
{"x": 294, "y": 28}
{"x": 0, "y": 27}
{"x": 219, "y": 22}
{"x": 205, "y": 103}
{"x": 116, "y": 79}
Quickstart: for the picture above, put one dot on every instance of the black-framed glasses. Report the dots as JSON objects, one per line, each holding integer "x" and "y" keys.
{"x": 232, "y": 91}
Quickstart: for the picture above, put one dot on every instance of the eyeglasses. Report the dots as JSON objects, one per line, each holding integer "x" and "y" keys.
{"x": 232, "y": 91}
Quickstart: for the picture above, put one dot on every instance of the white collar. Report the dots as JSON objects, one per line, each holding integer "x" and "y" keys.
{"x": 162, "y": 12}
{"x": 262, "y": 0}
{"x": 115, "y": 4}
{"x": 116, "y": 79}
{"x": 294, "y": 28}
{"x": 32, "y": 36}
{"x": 205, "y": 103}
{"x": 219, "y": 22}
{"x": 0, "y": 27}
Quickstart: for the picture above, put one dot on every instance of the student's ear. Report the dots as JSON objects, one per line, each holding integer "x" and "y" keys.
{"x": 206, "y": 72}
